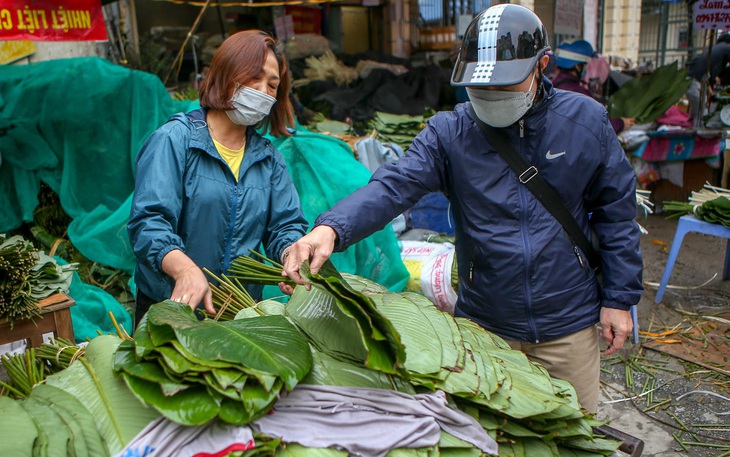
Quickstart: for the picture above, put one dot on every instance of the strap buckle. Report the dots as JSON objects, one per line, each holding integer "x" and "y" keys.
{"x": 528, "y": 174}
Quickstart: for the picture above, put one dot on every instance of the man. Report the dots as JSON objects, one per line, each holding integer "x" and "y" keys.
{"x": 571, "y": 58}
{"x": 719, "y": 60}
{"x": 520, "y": 275}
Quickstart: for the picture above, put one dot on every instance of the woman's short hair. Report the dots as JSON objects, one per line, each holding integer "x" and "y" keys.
{"x": 238, "y": 61}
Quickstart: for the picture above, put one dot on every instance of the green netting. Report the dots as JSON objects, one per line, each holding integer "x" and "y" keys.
{"x": 91, "y": 312}
{"x": 77, "y": 124}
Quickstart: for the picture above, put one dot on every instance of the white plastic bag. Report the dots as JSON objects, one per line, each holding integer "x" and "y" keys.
{"x": 430, "y": 267}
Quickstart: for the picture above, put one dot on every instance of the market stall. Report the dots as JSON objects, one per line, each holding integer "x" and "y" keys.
{"x": 673, "y": 163}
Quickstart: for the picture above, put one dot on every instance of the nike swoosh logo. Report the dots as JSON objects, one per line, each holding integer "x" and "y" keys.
{"x": 550, "y": 156}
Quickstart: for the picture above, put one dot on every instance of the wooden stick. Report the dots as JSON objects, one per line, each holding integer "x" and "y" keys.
{"x": 177, "y": 63}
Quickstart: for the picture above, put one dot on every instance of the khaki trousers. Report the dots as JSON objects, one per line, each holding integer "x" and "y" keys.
{"x": 575, "y": 358}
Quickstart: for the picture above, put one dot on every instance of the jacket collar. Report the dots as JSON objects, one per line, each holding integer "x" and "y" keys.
{"x": 548, "y": 92}
{"x": 256, "y": 146}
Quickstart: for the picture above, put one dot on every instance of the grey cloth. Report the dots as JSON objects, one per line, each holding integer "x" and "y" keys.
{"x": 368, "y": 422}
{"x": 693, "y": 97}
{"x": 372, "y": 153}
{"x": 164, "y": 438}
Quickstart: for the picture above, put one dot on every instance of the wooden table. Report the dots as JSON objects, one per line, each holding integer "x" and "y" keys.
{"x": 55, "y": 318}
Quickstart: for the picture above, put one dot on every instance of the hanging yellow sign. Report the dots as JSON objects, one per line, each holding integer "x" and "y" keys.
{"x": 12, "y": 50}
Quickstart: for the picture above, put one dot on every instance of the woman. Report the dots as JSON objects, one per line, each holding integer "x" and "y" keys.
{"x": 208, "y": 187}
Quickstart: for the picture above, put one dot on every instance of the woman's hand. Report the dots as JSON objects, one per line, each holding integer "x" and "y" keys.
{"x": 191, "y": 285}
{"x": 316, "y": 246}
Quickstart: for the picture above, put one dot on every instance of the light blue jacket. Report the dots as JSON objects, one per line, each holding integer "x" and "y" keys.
{"x": 187, "y": 198}
{"x": 519, "y": 274}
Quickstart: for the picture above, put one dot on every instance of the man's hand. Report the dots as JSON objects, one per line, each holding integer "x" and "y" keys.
{"x": 616, "y": 325}
{"x": 316, "y": 246}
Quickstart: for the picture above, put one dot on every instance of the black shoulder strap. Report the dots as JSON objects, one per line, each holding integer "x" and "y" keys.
{"x": 529, "y": 176}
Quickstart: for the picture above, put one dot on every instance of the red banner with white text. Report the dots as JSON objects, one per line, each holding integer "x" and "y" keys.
{"x": 52, "y": 20}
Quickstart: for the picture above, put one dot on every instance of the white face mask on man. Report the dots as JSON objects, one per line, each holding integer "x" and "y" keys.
{"x": 501, "y": 108}
{"x": 251, "y": 106}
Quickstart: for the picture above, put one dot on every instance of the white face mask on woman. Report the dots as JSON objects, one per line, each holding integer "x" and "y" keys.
{"x": 251, "y": 106}
{"x": 501, "y": 108}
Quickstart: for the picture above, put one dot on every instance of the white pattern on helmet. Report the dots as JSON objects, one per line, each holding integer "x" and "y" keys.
{"x": 487, "y": 44}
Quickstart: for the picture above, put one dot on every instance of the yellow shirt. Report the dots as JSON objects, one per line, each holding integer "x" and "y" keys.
{"x": 232, "y": 157}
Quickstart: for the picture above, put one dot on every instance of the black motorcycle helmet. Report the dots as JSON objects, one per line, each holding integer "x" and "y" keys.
{"x": 501, "y": 47}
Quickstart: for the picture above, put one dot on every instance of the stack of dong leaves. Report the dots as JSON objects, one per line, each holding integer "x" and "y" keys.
{"x": 345, "y": 331}
{"x": 193, "y": 371}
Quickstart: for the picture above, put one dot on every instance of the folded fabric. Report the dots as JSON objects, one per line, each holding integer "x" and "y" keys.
{"x": 674, "y": 116}
{"x": 368, "y": 422}
{"x": 372, "y": 153}
{"x": 164, "y": 438}
{"x": 669, "y": 146}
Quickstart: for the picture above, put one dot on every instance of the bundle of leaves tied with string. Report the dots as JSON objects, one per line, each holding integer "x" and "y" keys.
{"x": 17, "y": 258}
{"x": 31, "y": 367}
{"x": 711, "y": 204}
{"x": 28, "y": 275}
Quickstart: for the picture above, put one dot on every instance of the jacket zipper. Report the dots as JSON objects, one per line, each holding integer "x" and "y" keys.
{"x": 471, "y": 264}
{"x": 577, "y": 253}
{"x": 580, "y": 259}
{"x": 234, "y": 205}
{"x": 526, "y": 243}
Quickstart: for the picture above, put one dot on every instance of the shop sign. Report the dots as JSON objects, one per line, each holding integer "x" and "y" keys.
{"x": 569, "y": 17}
{"x": 52, "y": 20}
{"x": 709, "y": 14}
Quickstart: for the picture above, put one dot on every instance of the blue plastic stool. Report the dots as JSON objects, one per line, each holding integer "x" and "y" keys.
{"x": 692, "y": 224}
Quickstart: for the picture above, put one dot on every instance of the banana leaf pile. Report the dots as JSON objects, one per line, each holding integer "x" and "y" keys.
{"x": 194, "y": 371}
{"x": 397, "y": 128}
{"x": 83, "y": 410}
{"x": 48, "y": 277}
{"x": 647, "y": 98}
{"x": 515, "y": 400}
{"x": 357, "y": 334}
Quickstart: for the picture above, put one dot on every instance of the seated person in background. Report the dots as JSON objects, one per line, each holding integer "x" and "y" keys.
{"x": 571, "y": 60}
{"x": 697, "y": 66}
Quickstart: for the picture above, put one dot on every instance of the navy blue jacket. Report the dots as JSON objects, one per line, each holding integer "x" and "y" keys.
{"x": 186, "y": 198}
{"x": 519, "y": 275}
